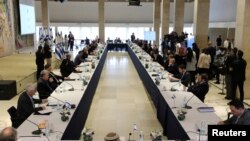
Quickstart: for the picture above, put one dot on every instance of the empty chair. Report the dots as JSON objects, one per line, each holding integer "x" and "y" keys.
{"x": 12, "y": 112}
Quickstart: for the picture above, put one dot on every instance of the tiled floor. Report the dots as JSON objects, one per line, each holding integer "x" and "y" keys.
{"x": 121, "y": 101}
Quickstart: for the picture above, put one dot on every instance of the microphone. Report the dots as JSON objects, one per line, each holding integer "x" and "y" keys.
{"x": 186, "y": 106}
{"x": 72, "y": 88}
{"x": 173, "y": 87}
{"x": 65, "y": 103}
{"x": 129, "y": 136}
{"x": 199, "y": 131}
{"x": 80, "y": 76}
{"x": 35, "y": 132}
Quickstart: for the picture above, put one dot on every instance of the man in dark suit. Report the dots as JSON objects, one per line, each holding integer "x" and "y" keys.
{"x": 241, "y": 115}
{"x": 238, "y": 75}
{"x": 26, "y": 104}
{"x": 39, "y": 61}
{"x": 54, "y": 80}
{"x": 183, "y": 76}
{"x": 67, "y": 66}
{"x": 201, "y": 88}
{"x": 43, "y": 87}
{"x": 71, "y": 41}
{"x": 132, "y": 37}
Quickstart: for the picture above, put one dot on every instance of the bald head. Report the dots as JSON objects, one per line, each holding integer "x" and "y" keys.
{"x": 8, "y": 134}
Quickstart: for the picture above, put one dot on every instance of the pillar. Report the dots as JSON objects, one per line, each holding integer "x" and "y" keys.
{"x": 157, "y": 14}
{"x": 101, "y": 20}
{"x": 165, "y": 17}
{"x": 242, "y": 34}
{"x": 179, "y": 6}
{"x": 201, "y": 22}
{"x": 45, "y": 14}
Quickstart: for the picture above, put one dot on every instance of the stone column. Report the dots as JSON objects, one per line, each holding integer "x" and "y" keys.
{"x": 157, "y": 16}
{"x": 45, "y": 14}
{"x": 165, "y": 17}
{"x": 179, "y": 6}
{"x": 201, "y": 22}
{"x": 101, "y": 5}
{"x": 242, "y": 34}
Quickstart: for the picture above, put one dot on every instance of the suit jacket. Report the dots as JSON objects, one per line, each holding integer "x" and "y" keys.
{"x": 244, "y": 119}
{"x": 56, "y": 80}
{"x": 200, "y": 90}
{"x": 25, "y": 107}
{"x": 184, "y": 78}
{"x": 67, "y": 67}
{"x": 43, "y": 88}
{"x": 239, "y": 70}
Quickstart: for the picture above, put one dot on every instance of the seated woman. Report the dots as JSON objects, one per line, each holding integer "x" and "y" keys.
{"x": 67, "y": 66}
{"x": 201, "y": 88}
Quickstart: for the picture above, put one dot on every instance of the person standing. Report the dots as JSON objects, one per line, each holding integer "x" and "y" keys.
{"x": 39, "y": 61}
{"x": 71, "y": 41}
{"x": 47, "y": 52}
{"x": 191, "y": 64}
{"x": 66, "y": 42}
{"x": 238, "y": 75}
{"x": 133, "y": 37}
{"x": 219, "y": 41}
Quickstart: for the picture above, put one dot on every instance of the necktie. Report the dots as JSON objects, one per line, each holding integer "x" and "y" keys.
{"x": 237, "y": 120}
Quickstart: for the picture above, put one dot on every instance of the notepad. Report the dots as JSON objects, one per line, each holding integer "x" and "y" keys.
{"x": 205, "y": 109}
{"x": 155, "y": 74}
{"x": 69, "y": 79}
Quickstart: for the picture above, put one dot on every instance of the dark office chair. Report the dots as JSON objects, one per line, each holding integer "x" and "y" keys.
{"x": 12, "y": 112}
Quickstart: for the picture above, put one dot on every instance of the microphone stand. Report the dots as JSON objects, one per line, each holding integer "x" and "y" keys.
{"x": 199, "y": 131}
{"x": 186, "y": 106}
{"x": 72, "y": 88}
{"x": 129, "y": 136}
{"x": 35, "y": 132}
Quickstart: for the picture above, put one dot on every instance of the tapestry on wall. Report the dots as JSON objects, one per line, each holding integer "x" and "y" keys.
{"x": 5, "y": 27}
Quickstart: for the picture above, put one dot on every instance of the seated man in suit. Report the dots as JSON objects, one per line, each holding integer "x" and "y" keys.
{"x": 183, "y": 76}
{"x": 201, "y": 88}
{"x": 241, "y": 116}
{"x": 8, "y": 134}
{"x": 67, "y": 66}
{"x": 79, "y": 58}
{"x": 54, "y": 80}
{"x": 43, "y": 87}
{"x": 171, "y": 66}
{"x": 26, "y": 104}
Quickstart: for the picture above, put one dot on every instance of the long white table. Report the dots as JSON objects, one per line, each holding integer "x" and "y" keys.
{"x": 81, "y": 97}
{"x": 162, "y": 98}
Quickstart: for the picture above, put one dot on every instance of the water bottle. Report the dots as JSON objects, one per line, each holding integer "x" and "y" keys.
{"x": 184, "y": 102}
{"x": 57, "y": 105}
{"x": 47, "y": 128}
{"x": 141, "y": 136}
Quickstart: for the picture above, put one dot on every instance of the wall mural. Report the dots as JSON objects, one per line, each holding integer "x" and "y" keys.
{"x": 6, "y": 37}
